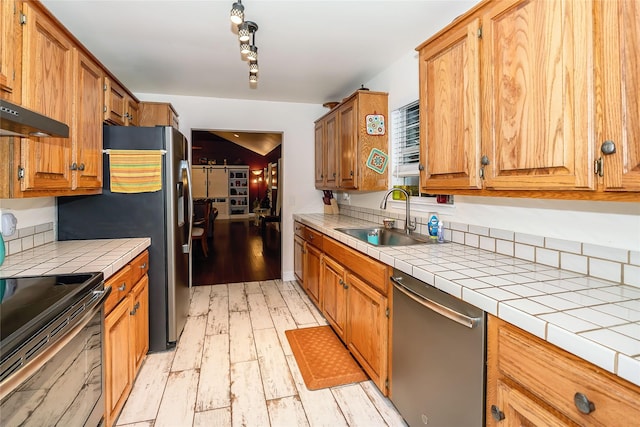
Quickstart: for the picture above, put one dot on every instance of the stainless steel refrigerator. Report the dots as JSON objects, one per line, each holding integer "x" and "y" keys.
{"x": 164, "y": 216}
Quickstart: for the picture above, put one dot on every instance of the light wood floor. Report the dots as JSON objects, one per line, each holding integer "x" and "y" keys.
{"x": 233, "y": 367}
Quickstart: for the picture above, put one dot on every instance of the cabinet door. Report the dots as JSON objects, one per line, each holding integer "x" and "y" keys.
{"x": 117, "y": 361}
{"x": 132, "y": 116}
{"x": 298, "y": 259}
{"x": 619, "y": 42}
{"x": 520, "y": 410}
{"x": 450, "y": 105}
{"x": 320, "y": 154}
{"x": 332, "y": 144}
{"x": 348, "y": 145}
{"x": 199, "y": 182}
{"x": 87, "y": 122}
{"x": 538, "y": 118}
{"x": 140, "y": 322}
{"x": 334, "y": 301}
{"x": 47, "y": 81}
{"x": 218, "y": 183}
{"x": 312, "y": 283}
{"x": 115, "y": 99}
{"x": 368, "y": 329}
{"x": 8, "y": 48}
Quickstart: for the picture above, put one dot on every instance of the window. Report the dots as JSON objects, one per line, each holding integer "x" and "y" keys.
{"x": 405, "y": 142}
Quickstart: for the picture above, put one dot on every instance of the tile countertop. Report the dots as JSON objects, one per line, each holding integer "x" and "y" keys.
{"x": 75, "y": 256}
{"x": 594, "y": 319}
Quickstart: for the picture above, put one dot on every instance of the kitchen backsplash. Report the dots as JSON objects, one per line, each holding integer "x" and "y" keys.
{"x": 28, "y": 238}
{"x": 618, "y": 265}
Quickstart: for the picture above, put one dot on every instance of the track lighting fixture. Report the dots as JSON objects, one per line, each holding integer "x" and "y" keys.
{"x": 247, "y": 37}
{"x": 237, "y": 13}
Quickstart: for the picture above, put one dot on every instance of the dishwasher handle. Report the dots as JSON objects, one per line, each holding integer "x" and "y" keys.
{"x": 448, "y": 312}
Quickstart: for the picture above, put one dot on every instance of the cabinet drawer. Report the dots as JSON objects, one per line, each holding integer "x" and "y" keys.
{"x": 555, "y": 376}
{"x": 299, "y": 230}
{"x": 313, "y": 237}
{"x": 371, "y": 271}
{"x": 139, "y": 267}
{"x": 120, "y": 286}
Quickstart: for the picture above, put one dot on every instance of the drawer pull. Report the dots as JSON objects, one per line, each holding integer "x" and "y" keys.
{"x": 496, "y": 413}
{"x": 583, "y": 404}
{"x": 143, "y": 265}
{"x": 122, "y": 287}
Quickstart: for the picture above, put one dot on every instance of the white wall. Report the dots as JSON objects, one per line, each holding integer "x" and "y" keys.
{"x": 295, "y": 121}
{"x": 613, "y": 224}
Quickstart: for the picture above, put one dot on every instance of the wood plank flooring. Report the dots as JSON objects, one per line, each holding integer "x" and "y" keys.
{"x": 233, "y": 367}
{"x": 236, "y": 254}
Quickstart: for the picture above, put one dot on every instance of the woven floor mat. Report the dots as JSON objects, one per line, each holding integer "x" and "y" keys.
{"x": 323, "y": 359}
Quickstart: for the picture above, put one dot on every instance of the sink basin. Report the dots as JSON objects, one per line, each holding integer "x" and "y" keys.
{"x": 393, "y": 237}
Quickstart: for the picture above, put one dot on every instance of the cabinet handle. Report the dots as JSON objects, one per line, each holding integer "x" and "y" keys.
{"x": 496, "y": 413}
{"x": 608, "y": 147}
{"x": 334, "y": 174}
{"x": 132, "y": 312}
{"x": 137, "y": 306}
{"x": 143, "y": 265}
{"x": 583, "y": 403}
{"x": 122, "y": 287}
{"x": 351, "y": 173}
{"x": 81, "y": 167}
{"x": 74, "y": 166}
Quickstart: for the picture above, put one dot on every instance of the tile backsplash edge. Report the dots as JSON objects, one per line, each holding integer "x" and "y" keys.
{"x": 617, "y": 265}
{"x": 29, "y": 238}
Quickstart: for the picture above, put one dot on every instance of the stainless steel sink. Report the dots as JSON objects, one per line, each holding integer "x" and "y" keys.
{"x": 385, "y": 237}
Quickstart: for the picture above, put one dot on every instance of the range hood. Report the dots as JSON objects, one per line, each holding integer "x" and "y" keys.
{"x": 19, "y": 121}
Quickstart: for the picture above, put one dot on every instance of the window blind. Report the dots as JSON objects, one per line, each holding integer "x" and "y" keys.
{"x": 405, "y": 140}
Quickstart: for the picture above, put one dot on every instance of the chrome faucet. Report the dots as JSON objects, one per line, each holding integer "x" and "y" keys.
{"x": 408, "y": 225}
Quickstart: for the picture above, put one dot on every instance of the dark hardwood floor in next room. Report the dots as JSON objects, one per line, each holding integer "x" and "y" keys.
{"x": 236, "y": 254}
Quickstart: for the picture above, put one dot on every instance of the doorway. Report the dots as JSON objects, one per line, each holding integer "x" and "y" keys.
{"x": 244, "y": 239}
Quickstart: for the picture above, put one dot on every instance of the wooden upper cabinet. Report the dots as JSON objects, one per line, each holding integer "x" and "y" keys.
{"x": 158, "y": 114}
{"x": 320, "y": 156}
{"x": 332, "y": 144}
{"x": 132, "y": 114}
{"x": 618, "y": 38}
{"x": 343, "y": 145}
{"x": 87, "y": 122}
{"x": 348, "y": 145}
{"x": 47, "y": 76}
{"x": 115, "y": 98}
{"x": 537, "y": 118}
{"x": 9, "y": 51}
{"x": 450, "y": 109}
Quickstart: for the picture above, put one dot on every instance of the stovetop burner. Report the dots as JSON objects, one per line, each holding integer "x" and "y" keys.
{"x": 27, "y": 304}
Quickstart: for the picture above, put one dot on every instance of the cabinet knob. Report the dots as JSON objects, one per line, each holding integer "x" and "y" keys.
{"x": 122, "y": 287}
{"x": 81, "y": 167}
{"x": 74, "y": 166}
{"x": 496, "y": 413}
{"x": 143, "y": 265}
{"x": 608, "y": 147}
{"x": 484, "y": 160}
{"x": 583, "y": 404}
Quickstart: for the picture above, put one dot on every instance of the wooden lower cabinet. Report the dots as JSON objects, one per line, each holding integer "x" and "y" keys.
{"x": 126, "y": 333}
{"x": 533, "y": 383}
{"x": 117, "y": 361}
{"x": 312, "y": 282}
{"x": 368, "y": 329}
{"x": 334, "y": 295}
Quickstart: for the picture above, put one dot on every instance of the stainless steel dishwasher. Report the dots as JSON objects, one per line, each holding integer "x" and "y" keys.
{"x": 438, "y": 361}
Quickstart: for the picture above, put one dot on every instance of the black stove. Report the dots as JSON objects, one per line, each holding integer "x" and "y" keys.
{"x": 29, "y": 305}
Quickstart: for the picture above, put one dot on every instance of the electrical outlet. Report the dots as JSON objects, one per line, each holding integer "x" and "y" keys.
{"x": 346, "y": 197}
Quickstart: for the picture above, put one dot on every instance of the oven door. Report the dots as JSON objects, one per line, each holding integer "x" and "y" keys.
{"x": 63, "y": 386}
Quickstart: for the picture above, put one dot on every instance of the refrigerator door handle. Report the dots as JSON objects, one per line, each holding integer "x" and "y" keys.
{"x": 186, "y": 248}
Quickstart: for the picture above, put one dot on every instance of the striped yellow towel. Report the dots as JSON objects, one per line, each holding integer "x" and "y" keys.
{"x": 135, "y": 171}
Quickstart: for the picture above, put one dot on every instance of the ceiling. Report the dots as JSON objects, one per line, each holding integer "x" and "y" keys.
{"x": 310, "y": 51}
{"x": 260, "y": 142}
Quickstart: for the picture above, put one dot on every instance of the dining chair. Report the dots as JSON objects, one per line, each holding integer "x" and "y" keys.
{"x": 201, "y": 226}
